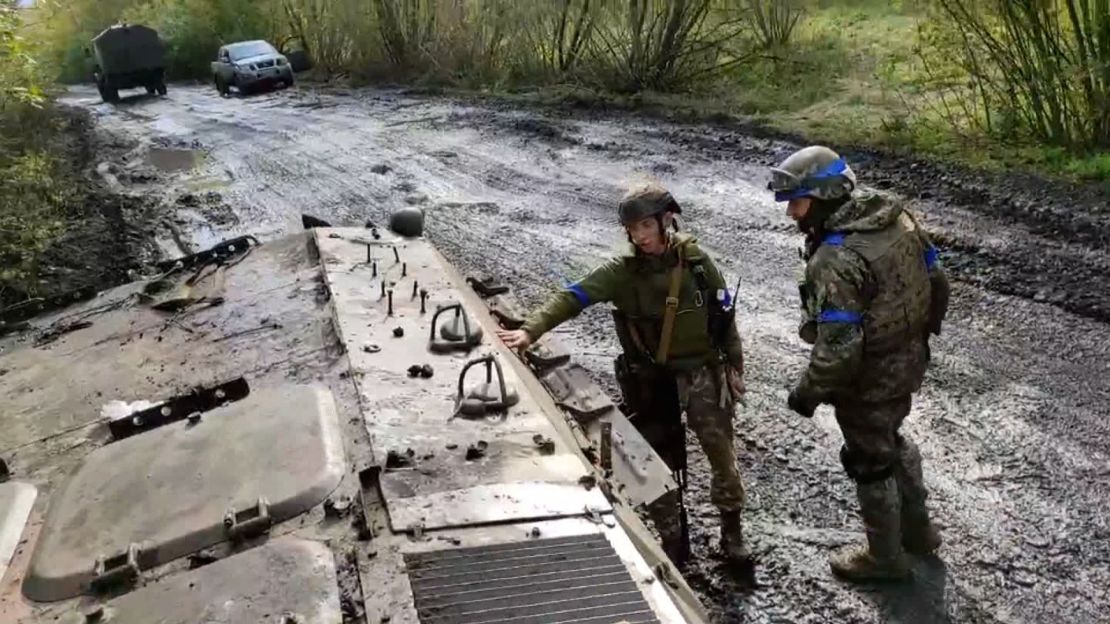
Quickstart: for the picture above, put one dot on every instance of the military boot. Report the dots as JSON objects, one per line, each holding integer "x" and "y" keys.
{"x": 732, "y": 539}
{"x": 883, "y": 558}
{"x": 919, "y": 535}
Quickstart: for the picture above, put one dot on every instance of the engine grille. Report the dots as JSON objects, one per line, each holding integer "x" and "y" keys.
{"x": 561, "y": 580}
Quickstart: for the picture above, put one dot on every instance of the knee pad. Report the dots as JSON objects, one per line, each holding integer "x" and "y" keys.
{"x": 863, "y": 467}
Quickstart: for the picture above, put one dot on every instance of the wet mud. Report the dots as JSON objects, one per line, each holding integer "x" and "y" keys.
{"x": 1012, "y": 421}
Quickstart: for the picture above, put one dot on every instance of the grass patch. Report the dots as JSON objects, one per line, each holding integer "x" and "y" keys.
{"x": 852, "y": 76}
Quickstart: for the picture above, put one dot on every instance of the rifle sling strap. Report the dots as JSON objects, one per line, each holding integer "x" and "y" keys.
{"x": 672, "y": 308}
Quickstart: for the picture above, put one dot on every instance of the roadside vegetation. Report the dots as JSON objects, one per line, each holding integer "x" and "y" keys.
{"x": 36, "y": 190}
{"x": 995, "y": 83}
{"x": 991, "y": 82}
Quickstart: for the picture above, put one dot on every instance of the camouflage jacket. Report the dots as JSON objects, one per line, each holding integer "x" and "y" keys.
{"x": 637, "y": 286}
{"x": 867, "y": 303}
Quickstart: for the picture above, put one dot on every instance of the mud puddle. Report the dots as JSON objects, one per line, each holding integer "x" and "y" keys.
{"x": 168, "y": 160}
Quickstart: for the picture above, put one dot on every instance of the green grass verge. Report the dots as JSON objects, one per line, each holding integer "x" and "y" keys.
{"x": 851, "y": 77}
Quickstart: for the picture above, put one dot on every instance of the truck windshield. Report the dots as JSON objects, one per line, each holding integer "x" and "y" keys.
{"x": 249, "y": 49}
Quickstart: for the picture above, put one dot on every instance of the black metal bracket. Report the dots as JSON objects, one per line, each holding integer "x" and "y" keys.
{"x": 478, "y": 407}
{"x": 221, "y": 251}
{"x": 250, "y": 522}
{"x": 179, "y": 408}
{"x": 470, "y": 338}
{"x": 120, "y": 569}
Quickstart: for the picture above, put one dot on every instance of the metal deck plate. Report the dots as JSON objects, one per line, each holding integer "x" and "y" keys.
{"x": 168, "y": 490}
{"x": 488, "y": 504}
{"x": 578, "y": 579}
{"x": 443, "y": 487}
{"x": 16, "y": 501}
{"x": 286, "y": 580}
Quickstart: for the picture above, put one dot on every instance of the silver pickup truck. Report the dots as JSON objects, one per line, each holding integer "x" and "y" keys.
{"x": 248, "y": 65}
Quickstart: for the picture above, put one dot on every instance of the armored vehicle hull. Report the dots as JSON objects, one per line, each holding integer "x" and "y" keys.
{"x": 318, "y": 429}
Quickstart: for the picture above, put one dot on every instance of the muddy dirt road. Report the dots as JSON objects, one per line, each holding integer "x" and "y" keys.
{"x": 1014, "y": 421}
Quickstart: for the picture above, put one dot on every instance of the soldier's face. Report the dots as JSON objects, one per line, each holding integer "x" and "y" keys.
{"x": 647, "y": 236}
{"x": 798, "y": 208}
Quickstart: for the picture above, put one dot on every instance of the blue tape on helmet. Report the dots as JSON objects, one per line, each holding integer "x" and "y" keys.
{"x": 806, "y": 187}
{"x": 834, "y": 168}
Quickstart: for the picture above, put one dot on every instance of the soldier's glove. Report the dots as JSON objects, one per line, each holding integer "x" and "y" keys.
{"x": 801, "y": 404}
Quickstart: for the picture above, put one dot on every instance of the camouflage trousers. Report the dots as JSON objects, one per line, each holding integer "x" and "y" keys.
{"x": 872, "y": 442}
{"x": 699, "y": 394}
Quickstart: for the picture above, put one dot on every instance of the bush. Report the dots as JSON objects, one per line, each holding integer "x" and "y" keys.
{"x": 1037, "y": 68}
{"x": 772, "y": 21}
{"x": 32, "y": 203}
{"x": 662, "y": 45}
{"x": 34, "y": 191}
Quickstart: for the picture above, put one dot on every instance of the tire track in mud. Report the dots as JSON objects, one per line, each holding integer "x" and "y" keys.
{"x": 1013, "y": 418}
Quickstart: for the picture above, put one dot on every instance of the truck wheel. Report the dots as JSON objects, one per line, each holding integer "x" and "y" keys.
{"x": 150, "y": 89}
{"x": 288, "y": 82}
{"x": 110, "y": 95}
{"x": 161, "y": 88}
{"x": 222, "y": 87}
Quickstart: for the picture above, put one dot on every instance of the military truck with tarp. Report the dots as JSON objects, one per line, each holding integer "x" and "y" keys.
{"x": 129, "y": 56}
{"x": 317, "y": 429}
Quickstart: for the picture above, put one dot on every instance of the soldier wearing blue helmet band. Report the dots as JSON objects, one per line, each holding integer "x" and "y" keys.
{"x": 873, "y": 293}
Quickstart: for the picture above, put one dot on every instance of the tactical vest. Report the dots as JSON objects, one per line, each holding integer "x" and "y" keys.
{"x": 899, "y": 289}
{"x": 643, "y": 305}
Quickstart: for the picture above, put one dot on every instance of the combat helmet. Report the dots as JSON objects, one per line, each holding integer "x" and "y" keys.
{"x": 646, "y": 200}
{"x": 815, "y": 171}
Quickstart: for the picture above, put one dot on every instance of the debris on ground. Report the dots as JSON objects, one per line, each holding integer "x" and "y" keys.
{"x": 476, "y": 451}
{"x": 337, "y": 507}
{"x": 57, "y": 331}
{"x": 403, "y": 459}
{"x": 545, "y": 445}
{"x": 421, "y": 370}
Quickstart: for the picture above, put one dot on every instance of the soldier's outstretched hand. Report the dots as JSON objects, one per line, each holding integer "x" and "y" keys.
{"x": 517, "y": 339}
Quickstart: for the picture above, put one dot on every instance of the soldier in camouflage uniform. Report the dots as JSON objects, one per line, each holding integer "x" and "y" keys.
{"x": 873, "y": 293}
{"x": 681, "y": 352}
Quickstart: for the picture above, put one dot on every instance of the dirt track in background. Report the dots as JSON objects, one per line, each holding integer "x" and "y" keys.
{"x": 1013, "y": 421}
